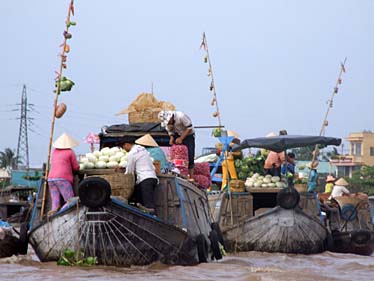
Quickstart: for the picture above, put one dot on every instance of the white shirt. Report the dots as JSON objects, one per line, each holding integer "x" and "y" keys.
{"x": 182, "y": 123}
{"x": 139, "y": 162}
{"x": 338, "y": 190}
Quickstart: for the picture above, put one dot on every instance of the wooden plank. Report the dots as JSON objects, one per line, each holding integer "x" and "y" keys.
{"x": 264, "y": 190}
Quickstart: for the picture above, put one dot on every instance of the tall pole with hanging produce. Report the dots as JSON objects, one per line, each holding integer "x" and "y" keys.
{"x": 217, "y": 132}
{"x": 62, "y": 84}
{"x": 212, "y": 88}
{"x": 335, "y": 91}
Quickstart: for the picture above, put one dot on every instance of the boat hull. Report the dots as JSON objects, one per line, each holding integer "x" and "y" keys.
{"x": 277, "y": 230}
{"x": 116, "y": 234}
{"x": 343, "y": 242}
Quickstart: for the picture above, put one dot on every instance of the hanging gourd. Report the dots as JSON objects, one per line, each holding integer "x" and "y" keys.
{"x": 211, "y": 86}
{"x": 67, "y": 48}
{"x": 60, "y": 110}
{"x": 215, "y": 114}
{"x": 206, "y": 59}
{"x": 213, "y": 102}
{"x": 209, "y": 72}
{"x": 335, "y": 90}
{"x": 325, "y": 123}
{"x": 67, "y": 35}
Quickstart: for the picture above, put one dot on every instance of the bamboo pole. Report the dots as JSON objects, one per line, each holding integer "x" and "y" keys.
{"x": 215, "y": 102}
{"x": 57, "y": 90}
{"x": 329, "y": 106}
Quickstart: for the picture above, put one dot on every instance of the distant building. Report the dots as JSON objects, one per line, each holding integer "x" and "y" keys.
{"x": 361, "y": 152}
{"x": 30, "y": 178}
{"x": 4, "y": 176}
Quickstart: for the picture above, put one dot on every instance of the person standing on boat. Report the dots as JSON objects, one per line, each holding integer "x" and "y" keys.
{"x": 181, "y": 131}
{"x": 313, "y": 176}
{"x": 274, "y": 160}
{"x": 140, "y": 163}
{"x": 329, "y": 184}
{"x": 340, "y": 188}
{"x": 289, "y": 170}
{"x": 60, "y": 177}
{"x": 228, "y": 164}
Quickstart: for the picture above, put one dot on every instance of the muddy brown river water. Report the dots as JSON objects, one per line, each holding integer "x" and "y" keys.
{"x": 247, "y": 266}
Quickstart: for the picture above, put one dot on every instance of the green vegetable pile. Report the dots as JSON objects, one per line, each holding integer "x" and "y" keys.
{"x": 71, "y": 258}
{"x": 248, "y": 166}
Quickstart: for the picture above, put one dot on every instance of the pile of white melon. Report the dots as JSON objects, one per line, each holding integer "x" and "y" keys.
{"x": 105, "y": 158}
{"x": 267, "y": 181}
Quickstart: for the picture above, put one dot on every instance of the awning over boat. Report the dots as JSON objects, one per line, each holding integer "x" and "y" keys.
{"x": 117, "y": 134}
{"x": 281, "y": 143}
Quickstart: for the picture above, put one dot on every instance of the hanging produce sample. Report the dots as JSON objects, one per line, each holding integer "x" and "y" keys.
{"x": 62, "y": 84}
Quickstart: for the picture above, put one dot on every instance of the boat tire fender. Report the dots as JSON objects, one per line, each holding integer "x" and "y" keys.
{"x": 94, "y": 192}
{"x": 215, "y": 226}
{"x": 360, "y": 238}
{"x": 202, "y": 248}
{"x": 288, "y": 198}
{"x": 348, "y": 212}
{"x": 214, "y": 244}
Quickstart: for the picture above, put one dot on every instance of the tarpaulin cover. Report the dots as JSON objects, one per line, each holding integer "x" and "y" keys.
{"x": 281, "y": 143}
{"x": 137, "y": 127}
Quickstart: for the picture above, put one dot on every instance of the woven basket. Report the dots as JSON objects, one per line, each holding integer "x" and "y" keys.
{"x": 122, "y": 184}
{"x": 344, "y": 200}
{"x": 237, "y": 186}
{"x": 144, "y": 116}
{"x": 301, "y": 187}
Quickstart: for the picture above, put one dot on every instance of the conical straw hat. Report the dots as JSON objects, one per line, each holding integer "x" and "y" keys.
{"x": 65, "y": 141}
{"x": 232, "y": 134}
{"x": 146, "y": 140}
{"x": 271, "y": 134}
{"x": 341, "y": 182}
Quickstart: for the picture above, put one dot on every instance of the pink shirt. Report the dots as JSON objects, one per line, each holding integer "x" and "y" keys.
{"x": 63, "y": 163}
{"x": 274, "y": 158}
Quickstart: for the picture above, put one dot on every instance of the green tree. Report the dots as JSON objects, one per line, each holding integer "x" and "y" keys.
{"x": 303, "y": 153}
{"x": 362, "y": 180}
{"x": 8, "y": 158}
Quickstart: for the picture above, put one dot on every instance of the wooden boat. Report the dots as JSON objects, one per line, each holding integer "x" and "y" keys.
{"x": 350, "y": 224}
{"x": 275, "y": 220}
{"x": 14, "y": 204}
{"x": 117, "y": 233}
{"x": 11, "y": 243}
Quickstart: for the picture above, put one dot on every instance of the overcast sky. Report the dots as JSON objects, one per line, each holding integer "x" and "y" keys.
{"x": 275, "y": 65}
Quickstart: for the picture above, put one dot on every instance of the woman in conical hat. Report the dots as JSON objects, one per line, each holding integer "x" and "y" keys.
{"x": 60, "y": 177}
{"x": 340, "y": 188}
{"x": 329, "y": 184}
{"x": 154, "y": 150}
{"x": 313, "y": 176}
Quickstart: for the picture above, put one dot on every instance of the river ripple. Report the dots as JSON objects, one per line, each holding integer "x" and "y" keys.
{"x": 246, "y": 266}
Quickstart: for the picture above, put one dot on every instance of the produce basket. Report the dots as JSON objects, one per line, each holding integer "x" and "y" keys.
{"x": 121, "y": 184}
{"x": 143, "y": 116}
{"x": 301, "y": 188}
{"x": 90, "y": 172}
{"x": 237, "y": 186}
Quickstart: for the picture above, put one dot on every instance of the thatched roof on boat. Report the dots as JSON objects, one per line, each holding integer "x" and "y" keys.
{"x": 281, "y": 143}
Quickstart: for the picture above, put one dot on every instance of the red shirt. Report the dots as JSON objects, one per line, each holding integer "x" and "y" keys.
{"x": 63, "y": 163}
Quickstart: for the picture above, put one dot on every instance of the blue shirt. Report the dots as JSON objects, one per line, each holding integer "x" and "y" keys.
{"x": 312, "y": 181}
{"x": 157, "y": 154}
